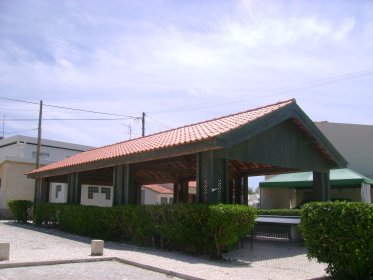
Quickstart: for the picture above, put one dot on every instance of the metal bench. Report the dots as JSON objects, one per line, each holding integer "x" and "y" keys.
{"x": 278, "y": 226}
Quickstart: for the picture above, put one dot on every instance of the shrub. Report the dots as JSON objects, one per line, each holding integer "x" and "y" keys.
{"x": 279, "y": 212}
{"x": 226, "y": 225}
{"x": 340, "y": 234}
{"x": 47, "y": 214}
{"x": 20, "y": 209}
{"x": 196, "y": 228}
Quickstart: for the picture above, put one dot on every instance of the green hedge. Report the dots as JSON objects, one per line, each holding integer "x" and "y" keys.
{"x": 195, "y": 228}
{"x": 279, "y": 212}
{"x": 20, "y": 209}
{"x": 340, "y": 234}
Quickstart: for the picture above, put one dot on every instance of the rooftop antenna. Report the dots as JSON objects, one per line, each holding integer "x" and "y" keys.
{"x": 4, "y": 126}
{"x": 129, "y": 130}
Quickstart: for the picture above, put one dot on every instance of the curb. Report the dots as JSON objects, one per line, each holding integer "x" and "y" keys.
{"x": 102, "y": 259}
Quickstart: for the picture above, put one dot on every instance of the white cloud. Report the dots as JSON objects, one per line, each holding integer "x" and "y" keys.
{"x": 134, "y": 57}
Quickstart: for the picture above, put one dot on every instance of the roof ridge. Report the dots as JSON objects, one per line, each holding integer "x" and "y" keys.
{"x": 197, "y": 123}
{"x": 200, "y": 131}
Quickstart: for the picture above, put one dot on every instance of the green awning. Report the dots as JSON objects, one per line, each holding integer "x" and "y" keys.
{"x": 338, "y": 177}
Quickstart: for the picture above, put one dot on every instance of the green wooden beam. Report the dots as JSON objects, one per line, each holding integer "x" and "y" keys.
{"x": 321, "y": 186}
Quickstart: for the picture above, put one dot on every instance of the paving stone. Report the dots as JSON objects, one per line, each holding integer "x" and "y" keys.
{"x": 268, "y": 259}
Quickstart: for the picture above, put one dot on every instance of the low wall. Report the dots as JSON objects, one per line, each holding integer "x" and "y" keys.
{"x": 5, "y": 214}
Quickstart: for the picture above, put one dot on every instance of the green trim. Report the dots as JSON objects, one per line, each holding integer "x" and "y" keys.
{"x": 338, "y": 178}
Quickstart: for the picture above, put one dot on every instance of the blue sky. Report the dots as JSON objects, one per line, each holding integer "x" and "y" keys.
{"x": 180, "y": 62}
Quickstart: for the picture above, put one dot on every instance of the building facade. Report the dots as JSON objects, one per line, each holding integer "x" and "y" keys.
{"x": 18, "y": 157}
{"x": 355, "y": 143}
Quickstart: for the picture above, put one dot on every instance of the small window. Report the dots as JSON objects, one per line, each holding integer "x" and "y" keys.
{"x": 163, "y": 200}
{"x": 171, "y": 200}
{"x": 91, "y": 191}
{"x": 58, "y": 190}
{"x": 107, "y": 192}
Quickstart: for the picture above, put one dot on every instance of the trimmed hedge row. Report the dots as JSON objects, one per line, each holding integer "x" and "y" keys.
{"x": 340, "y": 234}
{"x": 20, "y": 209}
{"x": 279, "y": 212}
{"x": 198, "y": 228}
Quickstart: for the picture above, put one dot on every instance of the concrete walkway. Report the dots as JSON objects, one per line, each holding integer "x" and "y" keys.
{"x": 32, "y": 245}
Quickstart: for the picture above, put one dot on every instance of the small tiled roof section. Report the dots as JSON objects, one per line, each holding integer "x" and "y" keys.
{"x": 175, "y": 137}
{"x": 159, "y": 189}
{"x": 192, "y": 184}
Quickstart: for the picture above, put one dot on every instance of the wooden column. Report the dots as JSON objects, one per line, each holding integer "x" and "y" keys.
{"x": 321, "y": 186}
{"x": 73, "y": 188}
{"x": 211, "y": 178}
{"x": 240, "y": 189}
{"x": 44, "y": 194}
{"x": 181, "y": 191}
{"x": 41, "y": 192}
{"x": 131, "y": 190}
{"x": 119, "y": 185}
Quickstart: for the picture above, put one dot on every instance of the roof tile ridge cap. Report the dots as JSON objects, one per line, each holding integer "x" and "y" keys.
{"x": 290, "y": 101}
{"x": 190, "y": 125}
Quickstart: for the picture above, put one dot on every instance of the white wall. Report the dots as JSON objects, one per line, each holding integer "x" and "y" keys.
{"x": 152, "y": 197}
{"x": 354, "y": 142}
{"x": 58, "y": 196}
{"x": 274, "y": 198}
{"x": 97, "y": 198}
{"x": 17, "y": 157}
{"x": 24, "y": 147}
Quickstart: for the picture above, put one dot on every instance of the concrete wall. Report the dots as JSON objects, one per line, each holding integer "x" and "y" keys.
{"x": 23, "y": 147}
{"x": 58, "y": 192}
{"x": 354, "y": 142}
{"x": 274, "y": 198}
{"x": 346, "y": 194}
{"x": 14, "y": 184}
{"x": 97, "y": 198}
{"x": 290, "y": 198}
{"x": 18, "y": 156}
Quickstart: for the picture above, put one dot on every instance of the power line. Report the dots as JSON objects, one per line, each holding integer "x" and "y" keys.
{"x": 113, "y": 119}
{"x": 159, "y": 122}
{"x": 300, "y": 87}
{"x": 20, "y": 131}
{"x": 69, "y": 108}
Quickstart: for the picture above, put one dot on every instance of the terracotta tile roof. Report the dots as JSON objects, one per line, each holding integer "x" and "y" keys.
{"x": 159, "y": 189}
{"x": 192, "y": 184}
{"x": 175, "y": 137}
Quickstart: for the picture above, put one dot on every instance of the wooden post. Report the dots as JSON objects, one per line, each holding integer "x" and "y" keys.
{"x": 321, "y": 186}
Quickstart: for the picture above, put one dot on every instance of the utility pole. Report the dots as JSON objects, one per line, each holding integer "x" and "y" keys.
{"x": 37, "y": 194}
{"x": 39, "y": 135}
{"x": 4, "y": 126}
{"x": 143, "y": 124}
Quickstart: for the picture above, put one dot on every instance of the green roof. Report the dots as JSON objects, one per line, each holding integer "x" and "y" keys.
{"x": 338, "y": 177}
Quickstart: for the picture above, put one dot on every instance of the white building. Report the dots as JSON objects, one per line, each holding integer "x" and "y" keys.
{"x": 354, "y": 142}
{"x": 157, "y": 194}
{"x": 18, "y": 156}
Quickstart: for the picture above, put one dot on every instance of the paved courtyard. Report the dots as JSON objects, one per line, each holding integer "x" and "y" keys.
{"x": 32, "y": 246}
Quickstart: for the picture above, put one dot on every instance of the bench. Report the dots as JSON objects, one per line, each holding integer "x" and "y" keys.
{"x": 278, "y": 226}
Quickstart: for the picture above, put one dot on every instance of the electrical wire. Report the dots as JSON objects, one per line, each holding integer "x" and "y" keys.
{"x": 114, "y": 119}
{"x": 297, "y": 87}
{"x": 20, "y": 131}
{"x": 69, "y": 108}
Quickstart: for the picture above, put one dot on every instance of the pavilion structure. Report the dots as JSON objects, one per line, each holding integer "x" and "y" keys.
{"x": 218, "y": 154}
